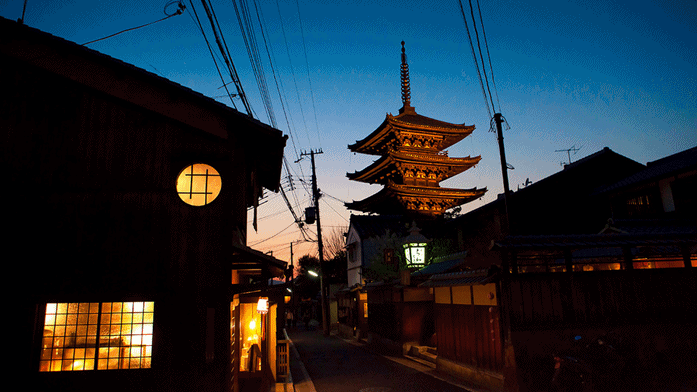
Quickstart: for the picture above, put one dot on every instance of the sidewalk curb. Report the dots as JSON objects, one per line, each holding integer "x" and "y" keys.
{"x": 306, "y": 385}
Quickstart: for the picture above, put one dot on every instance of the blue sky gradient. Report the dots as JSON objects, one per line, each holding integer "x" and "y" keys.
{"x": 584, "y": 74}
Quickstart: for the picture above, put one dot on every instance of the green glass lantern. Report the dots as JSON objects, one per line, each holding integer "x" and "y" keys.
{"x": 415, "y": 247}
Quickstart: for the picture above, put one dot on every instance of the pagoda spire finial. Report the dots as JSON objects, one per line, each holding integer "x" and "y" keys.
{"x": 406, "y": 89}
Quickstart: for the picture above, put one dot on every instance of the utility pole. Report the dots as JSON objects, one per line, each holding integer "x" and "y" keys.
{"x": 504, "y": 167}
{"x": 320, "y": 248}
{"x": 292, "y": 293}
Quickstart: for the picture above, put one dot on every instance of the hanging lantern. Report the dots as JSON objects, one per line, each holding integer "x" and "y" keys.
{"x": 263, "y": 305}
{"x": 415, "y": 247}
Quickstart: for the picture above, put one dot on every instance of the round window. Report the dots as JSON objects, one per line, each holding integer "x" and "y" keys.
{"x": 198, "y": 184}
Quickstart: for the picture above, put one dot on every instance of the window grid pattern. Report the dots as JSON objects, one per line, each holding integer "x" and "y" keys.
{"x": 198, "y": 184}
{"x": 89, "y": 336}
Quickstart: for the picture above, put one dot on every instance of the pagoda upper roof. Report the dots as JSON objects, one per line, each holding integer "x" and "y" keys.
{"x": 390, "y": 199}
{"x": 379, "y": 140}
{"x": 380, "y": 170}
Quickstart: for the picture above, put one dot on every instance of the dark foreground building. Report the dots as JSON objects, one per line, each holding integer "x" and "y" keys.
{"x": 127, "y": 197}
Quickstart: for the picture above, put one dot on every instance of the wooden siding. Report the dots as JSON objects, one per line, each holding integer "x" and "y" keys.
{"x": 95, "y": 213}
{"x": 541, "y": 301}
{"x": 95, "y": 179}
{"x": 469, "y": 334}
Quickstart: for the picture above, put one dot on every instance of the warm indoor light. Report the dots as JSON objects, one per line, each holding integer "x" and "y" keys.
{"x": 198, "y": 184}
{"x": 313, "y": 273}
{"x": 97, "y": 336}
{"x": 263, "y": 305}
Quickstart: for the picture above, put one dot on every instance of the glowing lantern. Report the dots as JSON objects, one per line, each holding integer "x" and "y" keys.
{"x": 263, "y": 305}
{"x": 415, "y": 247}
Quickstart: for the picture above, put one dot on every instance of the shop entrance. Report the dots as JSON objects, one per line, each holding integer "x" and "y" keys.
{"x": 252, "y": 345}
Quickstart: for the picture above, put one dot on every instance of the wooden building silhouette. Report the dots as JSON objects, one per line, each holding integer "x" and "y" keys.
{"x": 130, "y": 276}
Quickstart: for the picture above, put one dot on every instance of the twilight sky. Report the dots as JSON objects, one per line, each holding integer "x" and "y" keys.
{"x": 585, "y": 74}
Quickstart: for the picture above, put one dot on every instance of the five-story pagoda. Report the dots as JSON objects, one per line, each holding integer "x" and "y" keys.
{"x": 412, "y": 162}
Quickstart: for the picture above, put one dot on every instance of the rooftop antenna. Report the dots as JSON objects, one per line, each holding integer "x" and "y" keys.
{"x": 568, "y": 152}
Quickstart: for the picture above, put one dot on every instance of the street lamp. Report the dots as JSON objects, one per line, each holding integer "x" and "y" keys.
{"x": 415, "y": 247}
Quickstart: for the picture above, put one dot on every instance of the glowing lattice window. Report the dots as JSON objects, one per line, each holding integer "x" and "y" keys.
{"x": 89, "y": 336}
{"x": 198, "y": 184}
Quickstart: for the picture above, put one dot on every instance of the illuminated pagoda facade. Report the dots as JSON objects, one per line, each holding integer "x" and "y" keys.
{"x": 413, "y": 162}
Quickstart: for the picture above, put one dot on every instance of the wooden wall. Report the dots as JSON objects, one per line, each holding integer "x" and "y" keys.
{"x": 469, "y": 334}
{"x": 93, "y": 210}
{"x": 650, "y": 311}
{"x": 468, "y": 327}
{"x": 559, "y": 299}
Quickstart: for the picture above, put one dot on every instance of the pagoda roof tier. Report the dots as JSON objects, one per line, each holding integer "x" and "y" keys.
{"x": 419, "y": 200}
{"x": 396, "y": 163}
{"x": 392, "y": 132}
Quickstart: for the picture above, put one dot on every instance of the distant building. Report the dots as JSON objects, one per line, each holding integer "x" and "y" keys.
{"x": 412, "y": 163}
{"x": 664, "y": 189}
{"x": 126, "y": 196}
{"x": 566, "y": 202}
{"x": 509, "y": 303}
{"x": 563, "y": 275}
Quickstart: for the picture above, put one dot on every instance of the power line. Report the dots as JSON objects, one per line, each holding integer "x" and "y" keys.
{"x": 486, "y": 43}
{"x": 200, "y": 26}
{"x": 307, "y": 67}
{"x": 273, "y": 236}
{"x": 497, "y": 119}
{"x": 285, "y": 40}
{"x": 222, "y": 46}
{"x": 476, "y": 32}
{"x": 332, "y": 208}
{"x": 244, "y": 21}
{"x": 295, "y": 82}
{"x": 180, "y": 9}
{"x": 278, "y": 81}
{"x": 474, "y": 57}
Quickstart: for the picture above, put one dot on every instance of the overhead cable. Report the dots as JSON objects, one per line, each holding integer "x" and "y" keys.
{"x": 180, "y": 9}
{"x": 309, "y": 81}
{"x": 200, "y": 26}
{"x": 244, "y": 21}
{"x": 222, "y": 46}
{"x": 486, "y": 43}
{"x": 479, "y": 46}
{"x": 476, "y": 62}
{"x": 295, "y": 82}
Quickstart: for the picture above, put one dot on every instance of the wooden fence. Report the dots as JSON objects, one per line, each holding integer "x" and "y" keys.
{"x": 549, "y": 300}
{"x": 470, "y": 334}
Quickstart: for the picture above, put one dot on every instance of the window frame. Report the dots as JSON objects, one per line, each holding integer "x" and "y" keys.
{"x": 193, "y": 193}
{"x": 84, "y": 336}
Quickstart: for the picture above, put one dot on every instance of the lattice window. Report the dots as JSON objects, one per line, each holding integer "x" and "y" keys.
{"x": 89, "y": 336}
{"x": 198, "y": 184}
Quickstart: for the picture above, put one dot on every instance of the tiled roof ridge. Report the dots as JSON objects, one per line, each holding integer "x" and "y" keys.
{"x": 671, "y": 158}
{"x": 403, "y": 118}
{"x": 656, "y": 169}
{"x": 96, "y": 54}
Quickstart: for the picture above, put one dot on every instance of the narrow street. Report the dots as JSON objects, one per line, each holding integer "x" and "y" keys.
{"x": 338, "y": 365}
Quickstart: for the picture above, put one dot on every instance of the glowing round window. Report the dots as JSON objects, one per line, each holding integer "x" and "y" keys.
{"x": 198, "y": 184}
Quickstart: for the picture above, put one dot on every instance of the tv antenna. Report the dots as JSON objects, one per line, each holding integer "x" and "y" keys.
{"x": 568, "y": 152}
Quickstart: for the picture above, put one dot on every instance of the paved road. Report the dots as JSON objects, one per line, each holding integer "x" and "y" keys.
{"x": 336, "y": 365}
